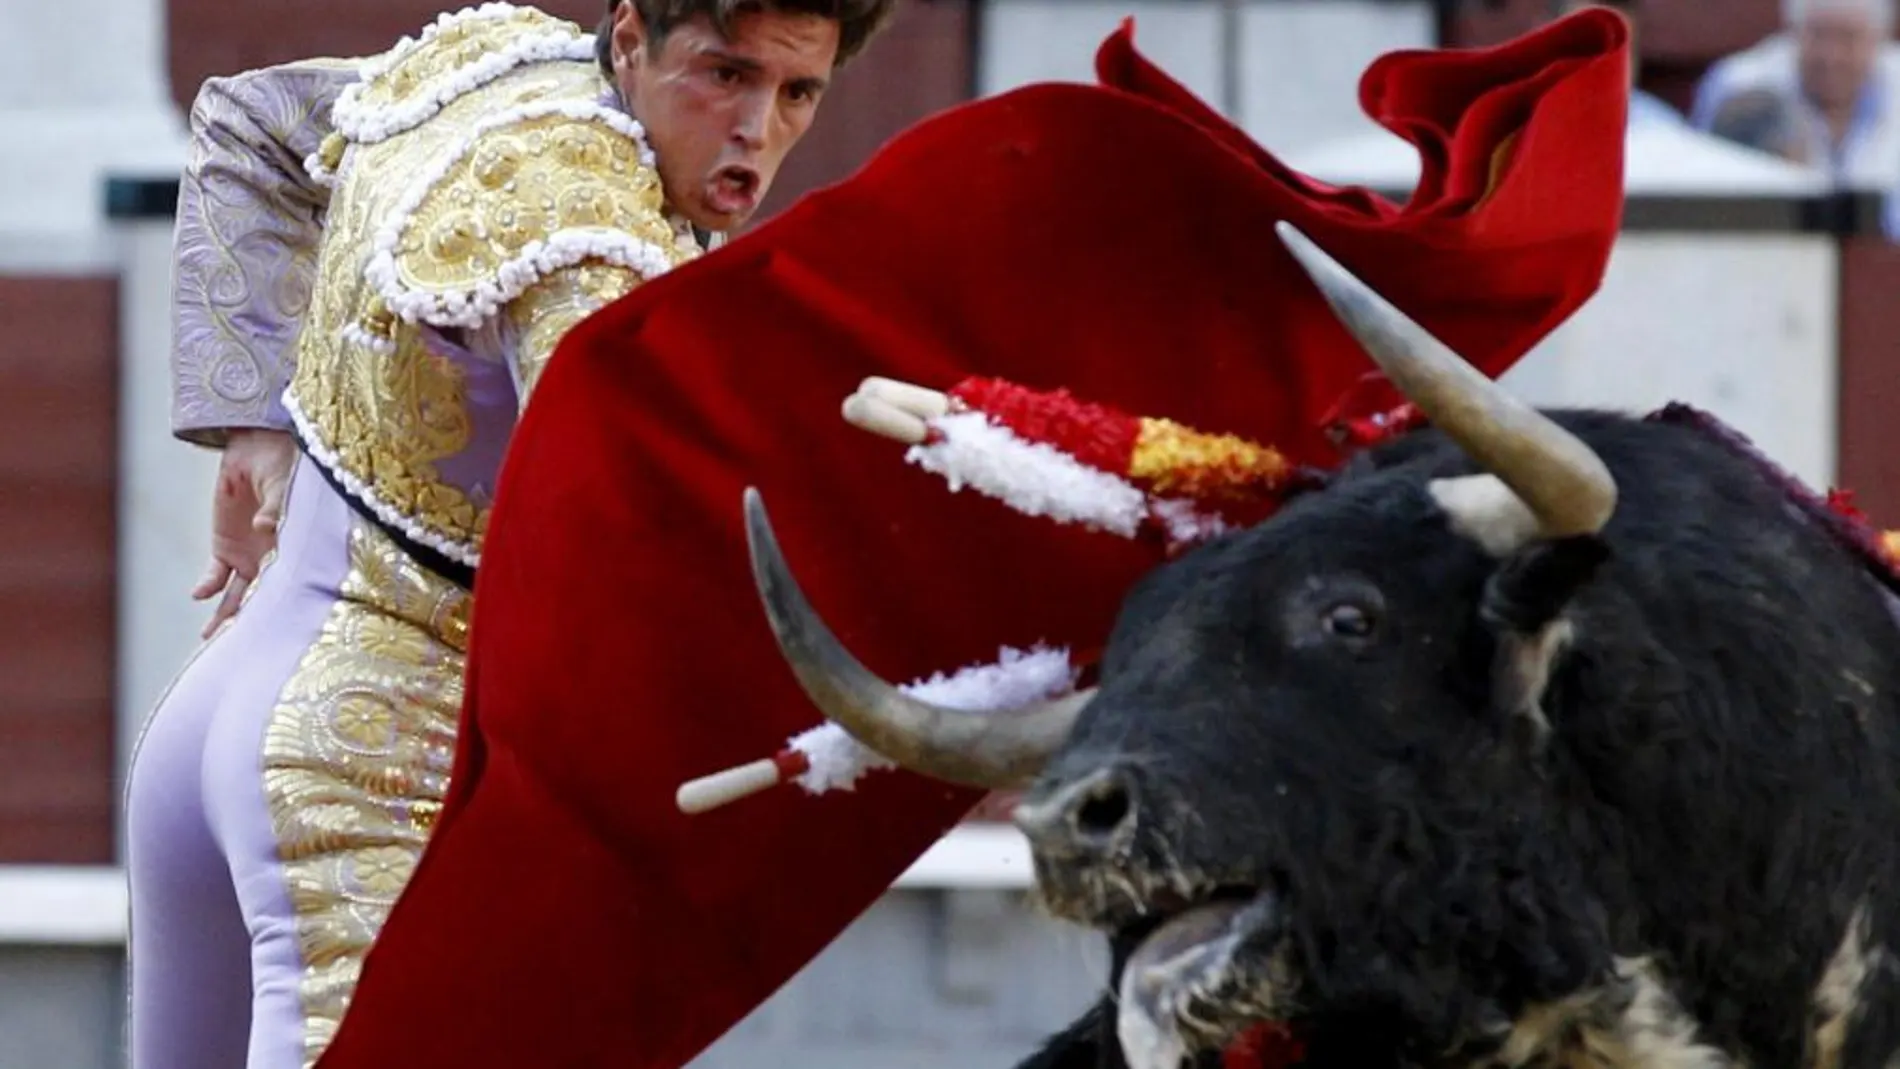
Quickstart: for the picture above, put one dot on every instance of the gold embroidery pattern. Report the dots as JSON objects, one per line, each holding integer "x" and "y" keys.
{"x": 548, "y": 311}
{"x": 356, "y": 762}
{"x": 521, "y": 184}
{"x": 439, "y": 65}
{"x": 377, "y": 406}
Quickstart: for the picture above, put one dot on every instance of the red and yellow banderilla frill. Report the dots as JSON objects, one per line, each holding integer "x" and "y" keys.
{"x": 1042, "y": 452}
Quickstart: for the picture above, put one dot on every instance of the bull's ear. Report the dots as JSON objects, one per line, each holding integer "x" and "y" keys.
{"x": 1524, "y": 604}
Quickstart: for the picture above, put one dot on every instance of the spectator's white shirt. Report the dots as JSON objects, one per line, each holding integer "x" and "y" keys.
{"x": 1869, "y": 156}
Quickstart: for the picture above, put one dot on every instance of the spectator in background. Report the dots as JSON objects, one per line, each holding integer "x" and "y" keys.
{"x": 1767, "y": 121}
{"x": 1645, "y": 108}
{"x": 1821, "y": 92}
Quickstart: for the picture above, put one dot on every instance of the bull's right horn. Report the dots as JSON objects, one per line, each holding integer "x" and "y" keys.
{"x": 998, "y": 750}
{"x": 1562, "y": 480}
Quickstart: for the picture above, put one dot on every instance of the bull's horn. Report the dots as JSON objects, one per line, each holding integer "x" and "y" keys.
{"x": 997, "y": 750}
{"x": 1560, "y": 478}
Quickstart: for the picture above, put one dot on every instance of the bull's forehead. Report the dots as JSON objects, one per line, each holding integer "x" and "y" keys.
{"x": 1383, "y": 529}
{"x": 1371, "y": 524}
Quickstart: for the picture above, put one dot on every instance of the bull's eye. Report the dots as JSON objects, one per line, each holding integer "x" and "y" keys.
{"x": 1343, "y": 612}
{"x": 1349, "y": 621}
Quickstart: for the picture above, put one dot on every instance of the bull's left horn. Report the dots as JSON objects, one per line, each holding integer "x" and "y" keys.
{"x": 997, "y": 750}
{"x": 1562, "y": 480}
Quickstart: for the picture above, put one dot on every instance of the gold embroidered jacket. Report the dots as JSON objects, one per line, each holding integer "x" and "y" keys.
{"x": 486, "y": 195}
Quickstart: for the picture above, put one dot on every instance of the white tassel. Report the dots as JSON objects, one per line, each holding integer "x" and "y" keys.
{"x": 1020, "y": 677}
{"x": 1031, "y": 477}
{"x": 1187, "y": 525}
{"x": 969, "y": 449}
{"x": 833, "y": 760}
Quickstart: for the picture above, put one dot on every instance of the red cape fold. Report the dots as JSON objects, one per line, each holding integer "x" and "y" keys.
{"x": 1118, "y": 241}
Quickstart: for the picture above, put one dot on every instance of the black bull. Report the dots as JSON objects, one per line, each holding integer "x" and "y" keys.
{"x": 1531, "y": 740}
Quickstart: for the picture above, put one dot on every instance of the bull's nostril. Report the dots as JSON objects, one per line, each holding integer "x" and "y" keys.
{"x": 1106, "y": 809}
{"x": 1082, "y": 817}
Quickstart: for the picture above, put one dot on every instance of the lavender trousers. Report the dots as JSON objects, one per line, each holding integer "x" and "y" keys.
{"x": 282, "y": 791}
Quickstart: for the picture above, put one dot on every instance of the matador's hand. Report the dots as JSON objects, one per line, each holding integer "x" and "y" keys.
{"x": 246, "y": 508}
{"x": 895, "y": 410}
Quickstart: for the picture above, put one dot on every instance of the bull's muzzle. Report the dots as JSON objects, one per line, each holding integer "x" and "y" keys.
{"x": 1081, "y": 821}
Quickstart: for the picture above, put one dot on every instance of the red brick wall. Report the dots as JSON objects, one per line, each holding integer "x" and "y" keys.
{"x": 921, "y": 64}
{"x": 58, "y": 477}
{"x": 1870, "y": 376}
{"x": 211, "y": 37}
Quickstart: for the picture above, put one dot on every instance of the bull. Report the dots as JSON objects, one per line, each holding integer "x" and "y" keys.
{"x": 1534, "y": 738}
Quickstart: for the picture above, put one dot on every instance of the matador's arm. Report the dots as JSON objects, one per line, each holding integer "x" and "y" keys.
{"x": 553, "y": 306}
{"x": 249, "y": 216}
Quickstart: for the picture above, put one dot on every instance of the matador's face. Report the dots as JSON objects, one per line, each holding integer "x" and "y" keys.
{"x": 721, "y": 111}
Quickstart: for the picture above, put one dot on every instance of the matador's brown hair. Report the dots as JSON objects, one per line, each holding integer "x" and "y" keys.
{"x": 858, "y": 20}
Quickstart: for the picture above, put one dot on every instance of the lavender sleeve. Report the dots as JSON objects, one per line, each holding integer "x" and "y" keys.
{"x": 245, "y": 244}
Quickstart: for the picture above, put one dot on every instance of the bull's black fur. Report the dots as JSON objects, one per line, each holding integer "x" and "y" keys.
{"x": 1719, "y": 791}
{"x": 1089, "y": 1042}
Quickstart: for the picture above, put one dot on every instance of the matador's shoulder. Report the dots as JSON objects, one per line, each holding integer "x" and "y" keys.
{"x": 460, "y": 53}
{"x": 507, "y": 175}
{"x": 535, "y": 187}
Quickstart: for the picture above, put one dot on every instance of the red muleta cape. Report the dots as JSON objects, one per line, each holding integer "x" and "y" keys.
{"x": 1116, "y": 239}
